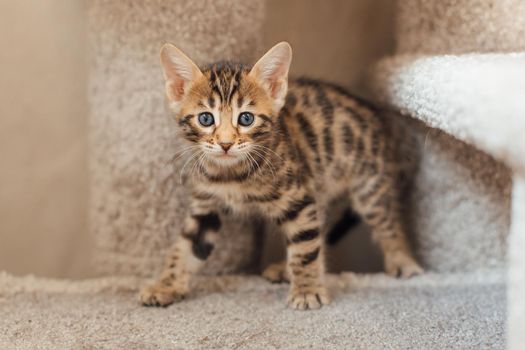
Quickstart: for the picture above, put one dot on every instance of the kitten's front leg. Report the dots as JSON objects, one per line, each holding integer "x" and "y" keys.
{"x": 189, "y": 253}
{"x": 305, "y": 260}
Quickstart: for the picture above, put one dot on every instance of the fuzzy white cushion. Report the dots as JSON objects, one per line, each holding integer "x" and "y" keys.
{"x": 479, "y": 98}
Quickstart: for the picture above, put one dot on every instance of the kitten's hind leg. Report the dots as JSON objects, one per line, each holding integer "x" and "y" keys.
{"x": 276, "y": 272}
{"x": 377, "y": 202}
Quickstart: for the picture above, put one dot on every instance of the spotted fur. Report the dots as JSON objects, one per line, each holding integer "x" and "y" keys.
{"x": 309, "y": 143}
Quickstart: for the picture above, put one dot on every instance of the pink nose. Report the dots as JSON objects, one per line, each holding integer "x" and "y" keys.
{"x": 226, "y": 145}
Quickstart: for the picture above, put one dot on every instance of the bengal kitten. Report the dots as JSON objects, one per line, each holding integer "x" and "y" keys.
{"x": 283, "y": 150}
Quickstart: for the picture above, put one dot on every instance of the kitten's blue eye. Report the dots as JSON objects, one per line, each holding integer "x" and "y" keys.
{"x": 206, "y": 119}
{"x": 246, "y": 119}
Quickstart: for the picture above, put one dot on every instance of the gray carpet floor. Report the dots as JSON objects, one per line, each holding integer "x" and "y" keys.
{"x": 433, "y": 311}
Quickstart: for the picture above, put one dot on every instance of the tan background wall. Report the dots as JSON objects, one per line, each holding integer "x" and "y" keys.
{"x": 43, "y": 177}
{"x": 333, "y": 39}
{"x": 43, "y": 180}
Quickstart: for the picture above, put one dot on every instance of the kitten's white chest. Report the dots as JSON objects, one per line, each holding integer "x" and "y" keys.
{"x": 230, "y": 194}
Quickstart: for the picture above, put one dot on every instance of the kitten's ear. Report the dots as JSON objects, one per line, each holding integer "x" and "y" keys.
{"x": 179, "y": 72}
{"x": 272, "y": 72}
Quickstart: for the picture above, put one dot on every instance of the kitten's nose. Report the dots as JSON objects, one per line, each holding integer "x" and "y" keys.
{"x": 226, "y": 145}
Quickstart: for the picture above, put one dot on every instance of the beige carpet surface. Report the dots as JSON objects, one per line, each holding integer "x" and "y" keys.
{"x": 434, "y": 311}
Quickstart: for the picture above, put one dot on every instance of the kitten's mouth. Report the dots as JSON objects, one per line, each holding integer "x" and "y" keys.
{"x": 226, "y": 158}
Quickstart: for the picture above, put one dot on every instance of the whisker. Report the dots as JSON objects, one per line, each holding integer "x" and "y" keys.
{"x": 264, "y": 155}
{"x": 180, "y": 153}
{"x": 268, "y": 149}
{"x": 195, "y": 165}
{"x": 254, "y": 161}
{"x": 251, "y": 163}
{"x": 266, "y": 161}
{"x": 185, "y": 164}
{"x": 201, "y": 165}
{"x": 186, "y": 149}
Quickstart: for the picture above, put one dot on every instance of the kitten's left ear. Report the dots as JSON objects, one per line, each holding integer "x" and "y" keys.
{"x": 271, "y": 71}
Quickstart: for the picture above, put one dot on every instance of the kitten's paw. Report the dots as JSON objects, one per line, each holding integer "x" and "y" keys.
{"x": 305, "y": 299}
{"x": 159, "y": 294}
{"x": 401, "y": 264}
{"x": 276, "y": 273}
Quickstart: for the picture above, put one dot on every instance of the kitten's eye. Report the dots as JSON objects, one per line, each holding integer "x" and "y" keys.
{"x": 246, "y": 119}
{"x": 206, "y": 119}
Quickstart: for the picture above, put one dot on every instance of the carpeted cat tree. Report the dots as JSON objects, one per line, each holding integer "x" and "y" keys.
{"x": 460, "y": 68}
{"x": 462, "y": 92}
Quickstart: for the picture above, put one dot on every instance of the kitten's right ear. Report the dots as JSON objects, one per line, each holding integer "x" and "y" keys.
{"x": 179, "y": 72}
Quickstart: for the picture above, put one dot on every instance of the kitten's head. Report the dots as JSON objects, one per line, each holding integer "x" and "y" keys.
{"x": 227, "y": 110}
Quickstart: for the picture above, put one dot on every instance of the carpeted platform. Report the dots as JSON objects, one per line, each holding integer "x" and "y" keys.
{"x": 445, "y": 311}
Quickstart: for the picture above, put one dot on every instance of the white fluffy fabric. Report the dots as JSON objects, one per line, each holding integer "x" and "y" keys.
{"x": 434, "y": 311}
{"x": 478, "y": 98}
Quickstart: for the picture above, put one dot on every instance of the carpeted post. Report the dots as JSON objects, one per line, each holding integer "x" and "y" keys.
{"x": 136, "y": 200}
{"x": 456, "y": 27}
